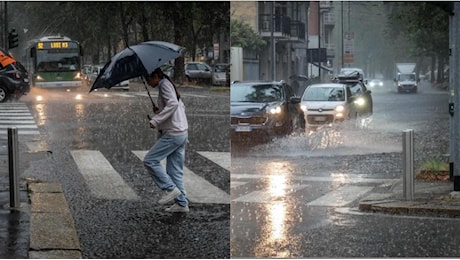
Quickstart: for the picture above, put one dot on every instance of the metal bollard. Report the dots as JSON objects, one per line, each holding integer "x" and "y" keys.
{"x": 408, "y": 164}
{"x": 13, "y": 166}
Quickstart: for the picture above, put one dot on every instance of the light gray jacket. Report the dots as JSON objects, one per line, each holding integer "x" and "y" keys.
{"x": 170, "y": 118}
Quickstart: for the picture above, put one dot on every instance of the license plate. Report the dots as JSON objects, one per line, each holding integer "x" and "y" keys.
{"x": 320, "y": 118}
{"x": 243, "y": 128}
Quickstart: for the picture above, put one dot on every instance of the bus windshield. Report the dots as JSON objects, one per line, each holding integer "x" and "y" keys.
{"x": 57, "y": 60}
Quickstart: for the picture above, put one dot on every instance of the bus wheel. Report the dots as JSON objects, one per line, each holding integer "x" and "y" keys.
{"x": 3, "y": 94}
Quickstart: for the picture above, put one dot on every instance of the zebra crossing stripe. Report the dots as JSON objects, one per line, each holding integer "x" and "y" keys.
{"x": 349, "y": 178}
{"x": 235, "y": 184}
{"x": 267, "y": 196}
{"x": 198, "y": 189}
{"x": 17, "y": 115}
{"x": 341, "y": 197}
{"x": 221, "y": 158}
{"x": 102, "y": 179}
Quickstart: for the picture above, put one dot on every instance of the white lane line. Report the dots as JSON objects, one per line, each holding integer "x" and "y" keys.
{"x": 221, "y": 158}
{"x": 268, "y": 195}
{"x": 19, "y": 126}
{"x": 28, "y": 117}
{"x": 198, "y": 189}
{"x": 12, "y": 121}
{"x": 340, "y": 197}
{"x": 235, "y": 184}
{"x": 101, "y": 178}
{"x": 337, "y": 179}
{"x": 123, "y": 95}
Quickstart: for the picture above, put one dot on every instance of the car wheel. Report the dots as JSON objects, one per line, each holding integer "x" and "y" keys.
{"x": 3, "y": 94}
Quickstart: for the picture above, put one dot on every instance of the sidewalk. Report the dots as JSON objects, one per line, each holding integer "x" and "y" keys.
{"x": 42, "y": 227}
{"x": 431, "y": 198}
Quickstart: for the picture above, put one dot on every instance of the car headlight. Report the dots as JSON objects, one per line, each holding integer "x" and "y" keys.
{"x": 275, "y": 110}
{"x": 339, "y": 108}
{"x": 39, "y": 77}
{"x": 303, "y": 107}
{"x": 360, "y": 101}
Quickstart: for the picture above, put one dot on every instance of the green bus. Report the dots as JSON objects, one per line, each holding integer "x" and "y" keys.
{"x": 56, "y": 62}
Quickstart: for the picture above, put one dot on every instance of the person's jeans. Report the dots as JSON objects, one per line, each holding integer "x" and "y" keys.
{"x": 172, "y": 148}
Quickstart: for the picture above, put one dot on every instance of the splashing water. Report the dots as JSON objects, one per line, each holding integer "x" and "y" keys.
{"x": 343, "y": 139}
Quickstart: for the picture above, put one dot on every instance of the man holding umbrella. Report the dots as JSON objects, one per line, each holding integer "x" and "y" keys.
{"x": 170, "y": 120}
{"x": 169, "y": 116}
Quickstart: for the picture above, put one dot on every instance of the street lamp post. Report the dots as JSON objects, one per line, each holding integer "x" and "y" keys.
{"x": 273, "y": 42}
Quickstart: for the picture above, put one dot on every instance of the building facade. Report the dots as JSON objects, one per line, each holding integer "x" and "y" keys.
{"x": 295, "y": 32}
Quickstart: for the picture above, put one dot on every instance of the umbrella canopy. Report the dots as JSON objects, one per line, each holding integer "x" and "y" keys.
{"x": 135, "y": 61}
{"x": 6, "y": 58}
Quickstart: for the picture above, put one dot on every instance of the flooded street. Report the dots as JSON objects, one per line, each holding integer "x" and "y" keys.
{"x": 93, "y": 145}
{"x": 296, "y": 196}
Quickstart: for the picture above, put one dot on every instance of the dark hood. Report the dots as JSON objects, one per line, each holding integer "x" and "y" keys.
{"x": 250, "y": 108}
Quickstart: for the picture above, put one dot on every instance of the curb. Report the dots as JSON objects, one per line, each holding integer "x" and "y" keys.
{"x": 52, "y": 228}
{"x": 433, "y": 208}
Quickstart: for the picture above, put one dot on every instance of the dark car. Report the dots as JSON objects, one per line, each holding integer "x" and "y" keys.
{"x": 361, "y": 95}
{"x": 14, "y": 81}
{"x": 262, "y": 110}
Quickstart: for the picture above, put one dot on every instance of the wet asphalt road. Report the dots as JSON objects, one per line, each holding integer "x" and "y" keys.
{"x": 116, "y": 126}
{"x": 279, "y": 189}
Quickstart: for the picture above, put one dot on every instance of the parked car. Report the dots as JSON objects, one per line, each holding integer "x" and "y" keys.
{"x": 199, "y": 71}
{"x": 219, "y": 74}
{"x": 94, "y": 72}
{"x": 14, "y": 81}
{"x": 262, "y": 110}
{"x": 328, "y": 103}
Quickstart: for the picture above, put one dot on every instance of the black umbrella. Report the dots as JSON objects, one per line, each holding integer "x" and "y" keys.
{"x": 136, "y": 61}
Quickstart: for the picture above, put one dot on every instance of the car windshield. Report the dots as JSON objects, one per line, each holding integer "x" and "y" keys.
{"x": 408, "y": 77}
{"x": 255, "y": 93}
{"x": 324, "y": 94}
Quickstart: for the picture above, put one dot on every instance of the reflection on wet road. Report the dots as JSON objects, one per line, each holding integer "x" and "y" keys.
{"x": 295, "y": 196}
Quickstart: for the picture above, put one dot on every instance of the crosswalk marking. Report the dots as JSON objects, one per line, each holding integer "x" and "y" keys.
{"x": 101, "y": 178}
{"x": 235, "y": 184}
{"x": 17, "y": 115}
{"x": 352, "y": 187}
{"x": 343, "y": 179}
{"x": 269, "y": 196}
{"x": 221, "y": 158}
{"x": 341, "y": 197}
{"x": 198, "y": 189}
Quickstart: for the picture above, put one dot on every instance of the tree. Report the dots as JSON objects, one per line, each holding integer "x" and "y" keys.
{"x": 424, "y": 27}
{"x": 104, "y": 28}
{"x": 242, "y": 35}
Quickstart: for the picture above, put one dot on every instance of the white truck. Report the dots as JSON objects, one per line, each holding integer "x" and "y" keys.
{"x": 405, "y": 77}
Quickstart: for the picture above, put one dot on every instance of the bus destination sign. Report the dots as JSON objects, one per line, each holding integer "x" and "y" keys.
{"x": 56, "y": 45}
